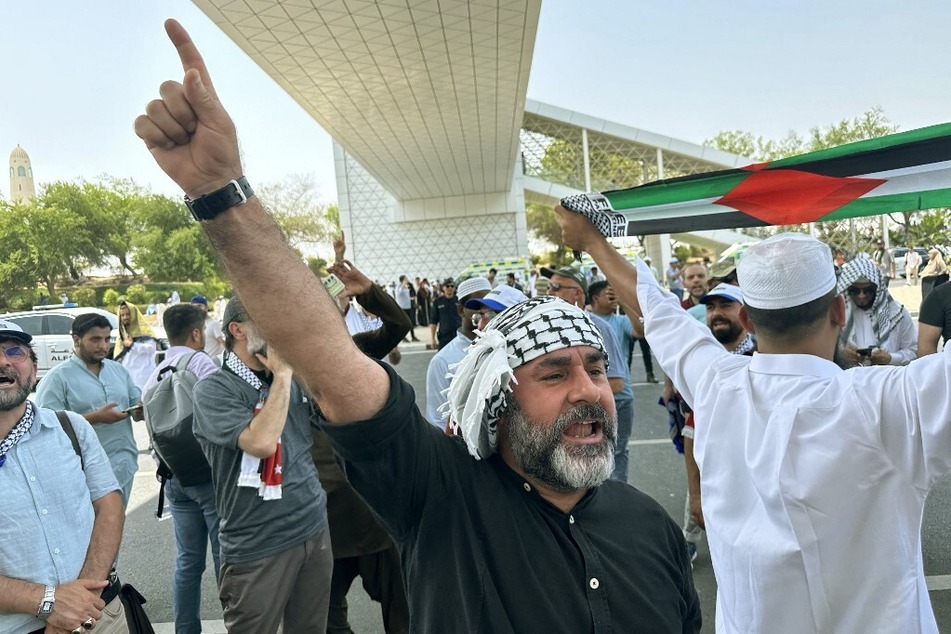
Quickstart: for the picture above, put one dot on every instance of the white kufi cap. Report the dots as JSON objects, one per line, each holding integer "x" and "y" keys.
{"x": 785, "y": 270}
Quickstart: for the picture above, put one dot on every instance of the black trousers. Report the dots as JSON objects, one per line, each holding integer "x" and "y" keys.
{"x": 383, "y": 581}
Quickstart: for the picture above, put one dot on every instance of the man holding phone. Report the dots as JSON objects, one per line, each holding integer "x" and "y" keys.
{"x": 878, "y": 330}
{"x": 102, "y": 391}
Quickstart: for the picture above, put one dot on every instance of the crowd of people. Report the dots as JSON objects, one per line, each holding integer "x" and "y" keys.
{"x": 504, "y": 507}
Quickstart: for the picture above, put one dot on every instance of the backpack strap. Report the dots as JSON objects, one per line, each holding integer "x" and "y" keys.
{"x": 180, "y": 364}
{"x": 68, "y": 428}
{"x": 163, "y": 474}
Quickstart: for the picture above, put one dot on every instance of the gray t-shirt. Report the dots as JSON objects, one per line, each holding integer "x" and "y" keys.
{"x": 252, "y": 528}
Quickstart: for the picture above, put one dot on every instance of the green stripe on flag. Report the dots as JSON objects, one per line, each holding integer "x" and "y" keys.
{"x": 894, "y": 203}
{"x": 661, "y": 194}
{"x": 857, "y": 147}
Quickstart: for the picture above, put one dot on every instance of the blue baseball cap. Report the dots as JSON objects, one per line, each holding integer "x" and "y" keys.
{"x": 498, "y": 299}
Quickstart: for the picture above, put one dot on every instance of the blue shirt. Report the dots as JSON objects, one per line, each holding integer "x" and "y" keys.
{"x": 617, "y": 359}
{"x": 436, "y": 379}
{"x": 71, "y": 386}
{"x": 46, "y": 514}
{"x": 625, "y": 336}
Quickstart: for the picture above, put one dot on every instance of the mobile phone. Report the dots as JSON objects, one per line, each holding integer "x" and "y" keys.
{"x": 333, "y": 285}
{"x": 130, "y": 409}
{"x": 865, "y": 352}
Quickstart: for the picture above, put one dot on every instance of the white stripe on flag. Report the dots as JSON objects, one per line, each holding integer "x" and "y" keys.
{"x": 685, "y": 209}
{"x": 919, "y": 178}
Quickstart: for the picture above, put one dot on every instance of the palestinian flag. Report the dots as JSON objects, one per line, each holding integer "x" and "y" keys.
{"x": 901, "y": 172}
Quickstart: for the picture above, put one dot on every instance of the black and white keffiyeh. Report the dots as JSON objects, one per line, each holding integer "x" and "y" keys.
{"x": 19, "y": 431}
{"x": 263, "y": 475}
{"x": 519, "y": 334}
{"x": 599, "y": 212}
{"x": 886, "y": 313}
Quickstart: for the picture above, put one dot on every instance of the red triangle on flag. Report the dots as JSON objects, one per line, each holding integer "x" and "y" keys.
{"x": 787, "y": 196}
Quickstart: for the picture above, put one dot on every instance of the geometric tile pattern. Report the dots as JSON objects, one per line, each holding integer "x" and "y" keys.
{"x": 428, "y": 95}
{"x": 385, "y": 248}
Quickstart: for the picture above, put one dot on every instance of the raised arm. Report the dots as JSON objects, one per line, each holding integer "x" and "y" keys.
{"x": 193, "y": 139}
{"x": 580, "y": 234}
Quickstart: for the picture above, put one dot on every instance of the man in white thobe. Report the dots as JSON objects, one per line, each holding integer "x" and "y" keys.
{"x": 878, "y": 330}
{"x": 813, "y": 478}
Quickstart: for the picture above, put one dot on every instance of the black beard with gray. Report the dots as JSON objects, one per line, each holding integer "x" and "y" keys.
{"x": 541, "y": 452}
{"x": 12, "y": 400}
{"x": 730, "y": 335}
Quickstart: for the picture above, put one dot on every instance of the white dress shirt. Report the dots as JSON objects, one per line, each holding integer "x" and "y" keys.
{"x": 813, "y": 478}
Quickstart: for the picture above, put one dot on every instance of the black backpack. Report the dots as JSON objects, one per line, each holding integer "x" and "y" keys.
{"x": 169, "y": 414}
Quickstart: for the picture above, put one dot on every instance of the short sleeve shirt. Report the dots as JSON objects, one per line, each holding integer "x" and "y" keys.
{"x": 251, "y": 527}
{"x": 71, "y": 386}
{"x": 936, "y": 310}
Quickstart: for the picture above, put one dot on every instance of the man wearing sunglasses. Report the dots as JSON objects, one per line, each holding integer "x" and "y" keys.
{"x": 437, "y": 379}
{"x": 444, "y": 319}
{"x": 878, "y": 330}
{"x": 62, "y": 514}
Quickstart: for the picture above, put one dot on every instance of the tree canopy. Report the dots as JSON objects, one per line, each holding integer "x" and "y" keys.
{"x": 70, "y": 227}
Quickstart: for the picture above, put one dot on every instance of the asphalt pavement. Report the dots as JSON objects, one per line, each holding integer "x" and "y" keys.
{"x": 147, "y": 554}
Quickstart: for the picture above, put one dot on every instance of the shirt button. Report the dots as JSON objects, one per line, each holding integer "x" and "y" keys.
{"x": 594, "y": 583}
{"x": 56, "y": 550}
{"x": 571, "y": 519}
{"x": 32, "y": 478}
{"x": 527, "y": 486}
{"x": 45, "y": 511}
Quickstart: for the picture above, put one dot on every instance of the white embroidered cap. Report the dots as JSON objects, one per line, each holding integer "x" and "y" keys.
{"x": 472, "y": 285}
{"x": 785, "y": 270}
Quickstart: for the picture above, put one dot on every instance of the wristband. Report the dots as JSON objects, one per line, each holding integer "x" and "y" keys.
{"x": 210, "y": 205}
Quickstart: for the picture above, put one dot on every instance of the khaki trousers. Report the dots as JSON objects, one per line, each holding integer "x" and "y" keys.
{"x": 292, "y": 587}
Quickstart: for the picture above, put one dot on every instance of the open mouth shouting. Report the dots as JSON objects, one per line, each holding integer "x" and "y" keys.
{"x": 585, "y": 431}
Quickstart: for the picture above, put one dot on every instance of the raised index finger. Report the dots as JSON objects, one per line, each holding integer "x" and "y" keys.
{"x": 188, "y": 53}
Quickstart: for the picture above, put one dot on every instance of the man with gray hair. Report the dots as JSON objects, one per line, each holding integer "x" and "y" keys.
{"x": 533, "y": 516}
{"x": 813, "y": 478}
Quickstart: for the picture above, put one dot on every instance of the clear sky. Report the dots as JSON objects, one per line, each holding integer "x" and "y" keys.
{"x": 76, "y": 74}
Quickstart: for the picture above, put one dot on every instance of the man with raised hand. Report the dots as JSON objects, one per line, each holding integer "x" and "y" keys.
{"x": 813, "y": 478}
{"x": 545, "y": 440}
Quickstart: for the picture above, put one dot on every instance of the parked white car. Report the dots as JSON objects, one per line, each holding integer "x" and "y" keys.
{"x": 51, "y": 328}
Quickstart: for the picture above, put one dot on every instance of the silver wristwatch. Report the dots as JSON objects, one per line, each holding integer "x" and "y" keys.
{"x": 46, "y": 605}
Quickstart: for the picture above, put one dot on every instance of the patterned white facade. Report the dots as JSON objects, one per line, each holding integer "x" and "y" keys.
{"x": 431, "y": 237}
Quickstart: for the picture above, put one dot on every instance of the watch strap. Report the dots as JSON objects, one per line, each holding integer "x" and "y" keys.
{"x": 206, "y": 207}
{"x": 46, "y": 605}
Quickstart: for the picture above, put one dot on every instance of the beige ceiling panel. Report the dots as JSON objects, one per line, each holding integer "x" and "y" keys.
{"x": 427, "y": 94}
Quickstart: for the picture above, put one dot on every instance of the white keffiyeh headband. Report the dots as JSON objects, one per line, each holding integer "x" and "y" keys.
{"x": 519, "y": 334}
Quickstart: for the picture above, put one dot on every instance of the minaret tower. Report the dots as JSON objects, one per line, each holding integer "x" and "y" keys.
{"x": 21, "y": 176}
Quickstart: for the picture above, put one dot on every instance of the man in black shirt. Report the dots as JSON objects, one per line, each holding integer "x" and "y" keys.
{"x": 934, "y": 320}
{"x": 525, "y": 539}
{"x": 445, "y": 319}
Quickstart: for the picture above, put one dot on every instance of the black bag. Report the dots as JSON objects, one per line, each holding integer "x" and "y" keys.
{"x": 169, "y": 413}
{"x": 136, "y": 619}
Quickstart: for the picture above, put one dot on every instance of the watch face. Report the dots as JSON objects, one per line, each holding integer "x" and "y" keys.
{"x": 46, "y": 607}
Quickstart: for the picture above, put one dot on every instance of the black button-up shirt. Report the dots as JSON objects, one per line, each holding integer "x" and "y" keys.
{"x": 484, "y": 552}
